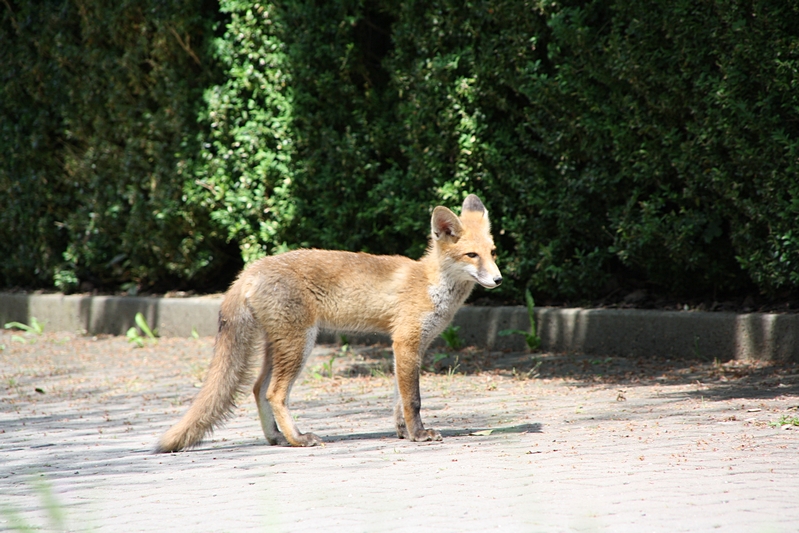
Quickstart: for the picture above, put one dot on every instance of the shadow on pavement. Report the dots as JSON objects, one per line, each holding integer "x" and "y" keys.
{"x": 483, "y": 432}
{"x": 715, "y": 379}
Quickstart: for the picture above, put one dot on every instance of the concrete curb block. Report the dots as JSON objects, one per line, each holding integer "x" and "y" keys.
{"x": 639, "y": 333}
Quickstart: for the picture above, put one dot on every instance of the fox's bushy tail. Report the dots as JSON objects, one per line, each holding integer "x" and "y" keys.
{"x": 238, "y": 339}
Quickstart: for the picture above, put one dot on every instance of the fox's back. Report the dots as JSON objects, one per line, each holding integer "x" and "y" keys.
{"x": 332, "y": 289}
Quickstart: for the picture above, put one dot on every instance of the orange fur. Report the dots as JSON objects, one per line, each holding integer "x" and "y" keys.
{"x": 276, "y": 307}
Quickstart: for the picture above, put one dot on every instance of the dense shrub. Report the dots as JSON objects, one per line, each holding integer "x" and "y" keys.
{"x": 98, "y": 104}
{"x": 303, "y": 144}
{"x": 353, "y": 187}
{"x": 245, "y": 166}
{"x": 617, "y": 139}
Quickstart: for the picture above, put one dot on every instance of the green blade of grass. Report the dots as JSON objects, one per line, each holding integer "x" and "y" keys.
{"x": 37, "y": 326}
{"x": 134, "y": 337}
{"x": 19, "y": 325}
{"x": 142, "y": 323}
{"x": 506, "y": 332}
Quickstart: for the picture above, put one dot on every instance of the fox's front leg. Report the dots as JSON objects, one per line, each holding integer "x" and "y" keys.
{"x": 407, "y": 362}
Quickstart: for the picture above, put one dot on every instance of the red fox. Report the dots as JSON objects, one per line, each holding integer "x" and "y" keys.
{"x": 278, "y": 304}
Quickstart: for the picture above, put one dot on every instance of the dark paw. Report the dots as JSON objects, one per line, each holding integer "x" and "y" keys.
{"x": 279, "y": 440}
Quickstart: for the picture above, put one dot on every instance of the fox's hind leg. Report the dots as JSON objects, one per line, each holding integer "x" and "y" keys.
{"x": 288, "y": 355}
{"x": 268, "y": 424}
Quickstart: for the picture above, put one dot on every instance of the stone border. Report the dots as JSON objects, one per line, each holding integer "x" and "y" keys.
{"x": 615, "y": 332}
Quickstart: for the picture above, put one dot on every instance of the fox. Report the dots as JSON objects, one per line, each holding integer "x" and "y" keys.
{"x": 277, "y": 305}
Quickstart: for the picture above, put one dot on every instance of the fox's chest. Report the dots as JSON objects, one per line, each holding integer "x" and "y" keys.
{"x": 446, "y": 298}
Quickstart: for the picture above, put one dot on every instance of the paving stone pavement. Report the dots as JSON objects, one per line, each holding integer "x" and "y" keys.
{"x": 577, "y": 443}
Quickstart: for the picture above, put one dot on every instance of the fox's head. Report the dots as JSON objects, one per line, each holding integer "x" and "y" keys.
{"x": 464, "y": 243}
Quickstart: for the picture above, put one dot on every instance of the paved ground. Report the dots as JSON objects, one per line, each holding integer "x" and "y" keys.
{"x": 578, "y": 444}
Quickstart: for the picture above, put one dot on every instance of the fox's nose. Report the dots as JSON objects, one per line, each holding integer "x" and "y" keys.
{"x": 498, "y": 280}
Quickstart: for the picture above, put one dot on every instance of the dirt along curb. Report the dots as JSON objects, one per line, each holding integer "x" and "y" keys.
{"x": 719, "y": 336}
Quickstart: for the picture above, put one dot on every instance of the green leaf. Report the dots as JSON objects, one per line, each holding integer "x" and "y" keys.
{"x": 142, "y": 323}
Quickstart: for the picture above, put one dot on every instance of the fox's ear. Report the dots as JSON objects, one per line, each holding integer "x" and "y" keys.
{"x": 473, "y": 203}
{"x": 445, "y": 224}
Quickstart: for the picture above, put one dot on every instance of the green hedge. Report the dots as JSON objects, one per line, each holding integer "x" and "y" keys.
{"x": 98, "y": 104}
{"x": 617, "y": 144}
{"x": 245, "y": 166}
{"x": 620, "y": 141}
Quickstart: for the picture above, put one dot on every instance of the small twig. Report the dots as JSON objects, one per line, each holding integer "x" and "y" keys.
{"x": 205, "y": 185}
{"x": 11, "y": 14}
{"x": 186, "y": 45}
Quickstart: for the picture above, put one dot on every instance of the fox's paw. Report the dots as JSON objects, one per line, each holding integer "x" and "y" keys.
{"x": 277, "y": 440}
{"x": 426, "y": 435}
{"x": 307, "y": 440}
{"x": 402, "y": 431}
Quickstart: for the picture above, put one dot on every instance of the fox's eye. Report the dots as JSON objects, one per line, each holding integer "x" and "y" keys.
{"x": 494, "y": 252}
{"x": 471, "y": 254}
